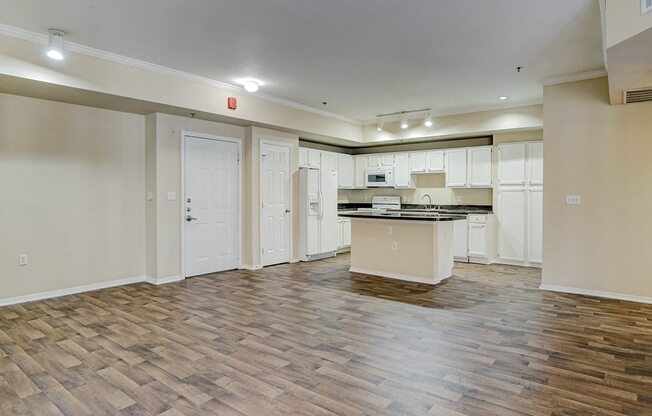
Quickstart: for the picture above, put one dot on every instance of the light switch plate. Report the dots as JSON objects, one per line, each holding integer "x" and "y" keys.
{"x": 172, "y": 196}
{"x": 22, "y": 260}
{"x": 389, "y": 229}
{"x": 394, "y": 246}
{"x": 150, "y": 195}
{"x": 573, "y": 200}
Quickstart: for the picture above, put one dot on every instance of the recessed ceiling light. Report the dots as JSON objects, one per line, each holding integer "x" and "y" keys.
{"x": 428, "y": 120}
{"x": 503, "y": 98}
{"x": 55, "y": 45}
{"x": 249, "y": 84}
{"x": 404, "y": 122}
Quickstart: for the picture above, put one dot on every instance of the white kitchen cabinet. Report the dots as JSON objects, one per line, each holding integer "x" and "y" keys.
{"x": 520, "y": 203}
{"x": 435, "y": 161}
{"x": 387, "y": 161}
{"x": 346, "y": 232}
{"x": 535, "y": 225}
{"x": 303, "y": 157}
{"x": 373, "y": 161}
{"x": 511, "y": 164}
{"x": 479, "y": 161}
{"x": 417, "y": 162}
{"x": 477, "y": 240}
{"x": 345, "y": 171}
{"x": 460, "y": 240}
{"x": 535, "y": 163}
{"x": 456, "y": 168}
{"x": 314, "y": 158}
{"x": 402, "y": 174}
{"x": 360, "y": 163}
{"x": 511, "y": 236}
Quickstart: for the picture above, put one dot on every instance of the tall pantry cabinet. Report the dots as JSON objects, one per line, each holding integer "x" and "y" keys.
{"x": 520, "y": 203}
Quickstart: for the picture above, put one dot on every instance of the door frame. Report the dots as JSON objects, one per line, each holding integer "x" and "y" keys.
{"x": 260, "y": 197}
{"x": 184, "y": 135}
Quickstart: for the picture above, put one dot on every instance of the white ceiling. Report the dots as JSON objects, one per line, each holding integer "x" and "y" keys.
{"x": 363, "y": 57}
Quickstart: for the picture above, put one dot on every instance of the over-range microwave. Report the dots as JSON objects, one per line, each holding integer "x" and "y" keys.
{"x": 379, "y": 178}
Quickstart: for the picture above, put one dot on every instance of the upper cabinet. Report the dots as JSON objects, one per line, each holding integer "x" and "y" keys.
{"x": 479, "y": 160}
{"x": 402, "y": 174}
{"x": 417, "y": 162}
{"x": 345, "y": 171}
{"x": 535, "y": 163}
{"x": 373, "y": 161}
{"x": 456, "y": 169}
{"x": 435, "y": 161}
{"x": 360, "y": 164}
{"x": 303, "y": 157}
{"x": 511, "y": 164}
{"x": 314, "y": 158}
{"x": 387, "y": 161}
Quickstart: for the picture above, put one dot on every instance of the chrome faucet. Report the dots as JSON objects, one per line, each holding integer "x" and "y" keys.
{"x": 429, "y": 206}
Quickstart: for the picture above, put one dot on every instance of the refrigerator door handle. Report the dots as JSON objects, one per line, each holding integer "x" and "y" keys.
{"x": 321, "y": 204}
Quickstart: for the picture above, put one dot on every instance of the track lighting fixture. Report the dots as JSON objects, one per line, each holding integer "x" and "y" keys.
{"x": 381, "y": 124}
{"x": 404, "y": 121}
{"x": 428, "y": 120}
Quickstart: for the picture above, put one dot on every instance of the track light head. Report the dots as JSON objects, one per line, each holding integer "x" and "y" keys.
{"x": 56, "y": 45}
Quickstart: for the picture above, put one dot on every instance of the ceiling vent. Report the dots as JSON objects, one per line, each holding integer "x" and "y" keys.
{"x": 637, "y": 95}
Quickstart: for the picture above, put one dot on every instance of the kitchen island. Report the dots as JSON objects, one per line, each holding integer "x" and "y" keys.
{"x": 416, "y": 247}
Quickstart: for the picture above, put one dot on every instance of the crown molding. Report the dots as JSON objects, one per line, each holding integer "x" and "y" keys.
{"x": 577, "y": 76}
{"x": 42, "y": 39}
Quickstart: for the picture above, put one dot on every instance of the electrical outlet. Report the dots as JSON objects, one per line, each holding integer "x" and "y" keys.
{"x": 172, "y": 196}
{"x": 394, "y": 246}
{"x": 22, "y": 260}
{"x": 389, "y": 229}
{"x": 458, "y": 198}
{"x": 573, "y": 200}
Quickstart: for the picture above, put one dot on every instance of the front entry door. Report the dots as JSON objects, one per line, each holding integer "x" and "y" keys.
{"x": 275, "y": 207}
{"x": 211, "y": 205}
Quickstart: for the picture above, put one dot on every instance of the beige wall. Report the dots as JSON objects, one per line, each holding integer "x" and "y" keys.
{"x": 624, "y": 20}
{"x": 604, "y": 154}
{"x": 164, "y": 260}
{"x": 72, "y": 182}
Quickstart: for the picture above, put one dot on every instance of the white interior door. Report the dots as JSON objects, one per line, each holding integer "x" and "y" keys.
{"x": 275, "y": 198}
{"x": 211, "y": 205}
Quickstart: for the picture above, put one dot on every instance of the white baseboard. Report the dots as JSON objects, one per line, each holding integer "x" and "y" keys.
{"x": 251, "y": 267}
{"x": 518, "y": 263}
{"x": 596, "y": 293}
{"x": 71, "y": 290}
{"x": 163, "y": 280}
{"x": 398, "y": 276}
{"x": 296, "y": 260}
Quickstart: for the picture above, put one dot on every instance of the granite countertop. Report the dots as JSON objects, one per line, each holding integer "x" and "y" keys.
{"x": 402, "y": 215}
{"x": 443, "y": 209}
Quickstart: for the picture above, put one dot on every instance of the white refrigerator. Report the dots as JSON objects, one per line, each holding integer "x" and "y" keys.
{"x": 318, "y": 213}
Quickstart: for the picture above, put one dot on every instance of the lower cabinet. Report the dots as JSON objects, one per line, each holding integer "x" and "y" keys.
{"x": 344, "y": 225}
{"x": 461, "y": 240}
{"x": 473, "y": 239}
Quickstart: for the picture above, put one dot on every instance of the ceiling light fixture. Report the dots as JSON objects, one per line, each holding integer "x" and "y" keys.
{"x": 503, "y": 98}
{"x": 428, "y": 120}
{"x": 404, "y": 121}
{"x": 251, "y": 86}
{"x": 381, "y": 124}
{"x": 56, "y": 45}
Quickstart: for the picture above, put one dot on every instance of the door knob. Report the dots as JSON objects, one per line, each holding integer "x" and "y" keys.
{"x": 190, "y": 218}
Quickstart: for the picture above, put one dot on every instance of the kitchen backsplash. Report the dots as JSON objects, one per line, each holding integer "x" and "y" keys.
{"x": 431, "y": 184}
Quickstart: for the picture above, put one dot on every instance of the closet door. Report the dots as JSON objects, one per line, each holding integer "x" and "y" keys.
{"x": 535, "y": 163}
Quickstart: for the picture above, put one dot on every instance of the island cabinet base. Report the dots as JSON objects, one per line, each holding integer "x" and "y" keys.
{"x": 416, "y": 251}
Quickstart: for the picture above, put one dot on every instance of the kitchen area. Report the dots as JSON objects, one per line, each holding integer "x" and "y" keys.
{"x": 411, "y": 214}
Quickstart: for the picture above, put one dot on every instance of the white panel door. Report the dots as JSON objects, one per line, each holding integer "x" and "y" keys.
{"x": 417, "y": 162}
{"x": 211, "y": 205}
{"x": 511, "y": 164}
{"x": 275, "y": 204}
{"x": 461, "y": 239}
{"x": 435, "y": 161}
{"x": 360, "y": 163}
{"x": 479, "y": 159}
{"x": 535, "y": 225}
{"x": 535, "y": 163}
{"x": 456, "y": 170}
{"x": 345, "y": 171}
{"x": 511, "y": 235}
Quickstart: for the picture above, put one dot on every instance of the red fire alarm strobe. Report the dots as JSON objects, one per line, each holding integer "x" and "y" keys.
{"x": 232, "y": 103}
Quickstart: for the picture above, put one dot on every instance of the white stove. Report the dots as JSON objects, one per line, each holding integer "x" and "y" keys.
{"x": 383, "y": 203}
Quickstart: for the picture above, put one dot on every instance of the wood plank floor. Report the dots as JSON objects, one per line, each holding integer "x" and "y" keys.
{"x": 313, "y": 339}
